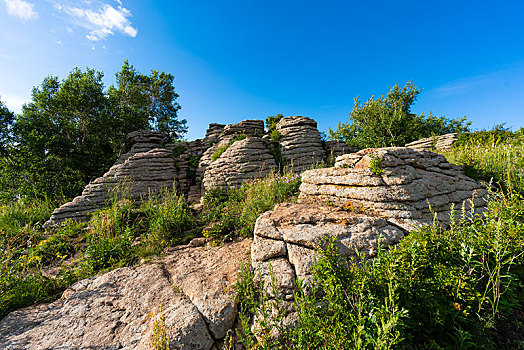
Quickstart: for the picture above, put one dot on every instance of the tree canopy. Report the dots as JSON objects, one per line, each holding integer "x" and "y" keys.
{"x": 72, "y": 130}
{"x": 388, "y": 121}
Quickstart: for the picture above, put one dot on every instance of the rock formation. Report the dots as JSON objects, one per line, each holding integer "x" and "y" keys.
{"x": 300, "y": 143}
{"x": 139, "y": 175}
{"x": 440, "y": 143}
{"x": 147, "y": 165}
{"x": 286, "y": 240}
{"x": 139, "y": 142}
{"x": 244, "y": 160}
{"x": 373, "y": 193}
{"x": 117, "y": 310}
{"x": 400, "y": 184}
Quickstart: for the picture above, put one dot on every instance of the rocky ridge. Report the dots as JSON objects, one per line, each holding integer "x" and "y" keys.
{"x": 139, "y": 175}
{"x": 300, "y": 143}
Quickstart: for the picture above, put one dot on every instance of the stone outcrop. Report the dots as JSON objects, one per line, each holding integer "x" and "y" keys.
{"x": 440, "y": 143}
{"x": 147, "y": 165}
{"x": 118, "y": 310}
{"x": 139, "y": 142}
{"x": 372, "y": 197}
{"x": 336, "y": 148}
{"x": 246, "y": 127}
{"x": 139, "y": 175}
{"x": 286, "y": 240}
{"x": 300, "y": 143}
{"x": 396, "y": 183}
{"x": 244, "y": 160}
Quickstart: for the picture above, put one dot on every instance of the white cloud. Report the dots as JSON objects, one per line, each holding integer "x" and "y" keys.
{"x": 21, "y": 9}
{"x": 14, "y": 102}
{"x": 101, "y": 22}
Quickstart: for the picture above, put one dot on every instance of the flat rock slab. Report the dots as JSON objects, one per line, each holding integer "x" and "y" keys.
{"x": 118, "y": 310}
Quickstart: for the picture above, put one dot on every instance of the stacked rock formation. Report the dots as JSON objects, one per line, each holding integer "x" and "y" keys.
{"x": 441, "y": 143}
{"x": 139, "y": 142}
{"x": 286, "y": 240}
{"x": 300, "y": 143}
{"x": 141, "y": 174}
{"x": 192, "y": 166}
{"x": 244, "y": 164}
{"x": 118, "y": 310}
{"x": 406, "y": 186}
{"x": 244, "y": 160}
{"x": 336, "y": 148}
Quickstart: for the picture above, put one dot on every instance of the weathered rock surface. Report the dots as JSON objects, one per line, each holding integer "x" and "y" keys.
{"x": 300, "y": 143}
{"x": 408, "y": 184}
{"x": 139, "y": 142}
{"x": 247, "y": 127}
{"x": 141, "y": 174}
{"x": 117, "y": 310}
{"x": 336, "y": 148}
{"x": 244, "y": 160}
{"x": 286, "y": 240}
{"x": 441, "y": 143}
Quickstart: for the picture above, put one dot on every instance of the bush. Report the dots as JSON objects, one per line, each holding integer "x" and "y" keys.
{"x": 169, "y": 220}
{"x": 232, "y": 213}
{"x": 388, "y": 121}
{"x": 486, "y": 156}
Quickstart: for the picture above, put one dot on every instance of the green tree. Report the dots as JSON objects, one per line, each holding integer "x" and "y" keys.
{"x": 388, "y": 121}
{"x": 146, "y": 102}
{"x": 72, "y": 130}
{"x": 6, "y": 123}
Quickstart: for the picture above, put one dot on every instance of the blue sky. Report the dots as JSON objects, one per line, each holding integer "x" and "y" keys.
{"x": 234, "y": 60}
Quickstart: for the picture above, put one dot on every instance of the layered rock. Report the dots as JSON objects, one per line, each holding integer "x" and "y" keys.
{"x": 441, "y": 143}
{"x": 243, "y": 160}
{"x": 405, "y": 186}
{"x": 231, "y": 132}
{"x": 286, "y": 240}
{"x": 246, "y": 127}
{"x": 139, "y": 142}
{"x": 300, "y": 143}
{"x": 139, "y": 175}
{"x": 336, "y": 148}
{"x": 118, "y": 310}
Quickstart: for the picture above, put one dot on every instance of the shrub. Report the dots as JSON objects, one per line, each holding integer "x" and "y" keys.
{"x": 438, "y": 289}
{"x": 388, "y": 121}
{"x": 492, "y": 158}
{"x": 232, "y": 213}
{"x": 169, "y": 220}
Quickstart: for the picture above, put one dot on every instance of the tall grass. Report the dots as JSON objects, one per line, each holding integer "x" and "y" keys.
{"x": 232, "y": 213}
{"x": 486, "y": 158}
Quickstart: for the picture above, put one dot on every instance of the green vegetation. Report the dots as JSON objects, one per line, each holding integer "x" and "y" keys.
{"x": 232, "y": 213}
{"x": 496, "y": 154}
{"x": 388, "y": 121}
{"x": 36, "y": 264}
{"x": 271, "y": 124}
{"x": 72, "y": 130}
{"x": 374, "y": 165}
